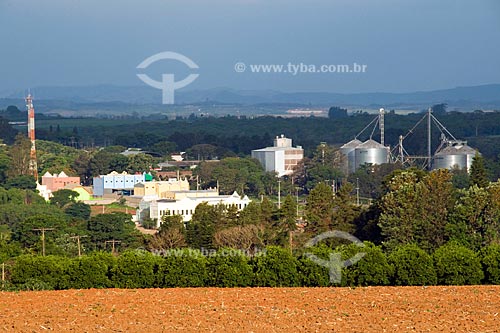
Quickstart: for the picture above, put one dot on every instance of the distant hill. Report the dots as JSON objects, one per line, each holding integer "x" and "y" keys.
{"x": 106, "y": 97}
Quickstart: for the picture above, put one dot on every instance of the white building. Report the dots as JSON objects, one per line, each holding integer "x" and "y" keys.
{"x": 186, "y": 206}
{"x": 185, "y": 203}
{"x": 282, "y": 158}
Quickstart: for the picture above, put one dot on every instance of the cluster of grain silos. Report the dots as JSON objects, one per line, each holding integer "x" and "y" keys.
{"x": 454, "y": 154}
{"x": 369, "y": 152}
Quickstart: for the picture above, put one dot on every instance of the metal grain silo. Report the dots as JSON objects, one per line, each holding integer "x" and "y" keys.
{"x": 348, "y": 151}
{"x": 457, "y": 154}
{"x": 469, "y": 153}
{"x": 371, "y": 152}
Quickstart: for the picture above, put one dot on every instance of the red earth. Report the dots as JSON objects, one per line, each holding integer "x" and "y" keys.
{"x": 371, "y": 309}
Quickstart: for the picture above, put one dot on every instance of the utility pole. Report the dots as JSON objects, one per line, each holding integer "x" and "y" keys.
{"x": 43, "y": 237}
{"x": 279, "y": 193}
{"x": 3, "y": 275}
{"x": 79, "y": 244}
{"x": 113, "y": 242}
{"x": 357, "y": 191}
{"x": 297, "y": 196}
{"x": 323, "y": 144}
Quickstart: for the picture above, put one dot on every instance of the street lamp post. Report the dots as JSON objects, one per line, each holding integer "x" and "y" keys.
{"x": 357, "y": 191}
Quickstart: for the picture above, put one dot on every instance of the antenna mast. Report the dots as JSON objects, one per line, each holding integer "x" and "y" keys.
{"x": 429, "y": 141}
{"x": 33, "y": 167}
{"x": 381, "y": 126}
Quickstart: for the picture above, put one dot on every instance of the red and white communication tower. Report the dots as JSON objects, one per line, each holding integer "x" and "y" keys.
{"x": 31, "y": 134}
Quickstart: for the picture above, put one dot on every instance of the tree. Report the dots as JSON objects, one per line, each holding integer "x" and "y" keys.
{"x": 23, "y": 182}
{"x": 7, "y": 132}
{"x": 229, "y": 268}
{"x": 172, "y": 234}
{"x": 136, "y": 269}
{"x": 439, "y": 109}
{"x": 345, "y": 211}
{"x": 81, "y": 165}
{"x": 457, "y": 265}
{"x": 166, "y": 240}
{"x": 251, "y": 214}
{"x": 475, "y": 219}
{"x": 203, "y": 152}
{"x": 319, "y": 209}
{"x": 336, "y": 112}
{"x": 140, "y": 163}
{"x": 90, "y": 271}
{"x": 62, "y": 198}
{"x": 370, "y": 178}
{"x": 246, "y": 238}
{"x": 37, "y": 272}
{"x": 412, "y": 266}
{"x": 183, "y": 268}
{"x": 478, "y": 175}
{"x": 201, "y": 229}
{"x": 490, "y": 259}
{"x": 415, "y": 209}
{"x": 20, "y": 156}
{"x": 326, "y": 165}
{"x": 268, "y": 212}
{"x": 113, "y": 226}
{"x": 78, "y": 210}
{"x": 276, "y": 268}
{"x": 4, "y": 163}
{"x": 371, "y": 270}
{"x": 8, "y": 248}
{"x": 233, "y": 174}
{"x": 311, "y": 274}
{"x": 286, "y": 222}
{"x": 164, "y": 148}
{"x": 28, "y": 237}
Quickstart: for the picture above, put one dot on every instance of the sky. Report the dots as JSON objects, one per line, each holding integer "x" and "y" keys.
{"x": 406, "y": 45}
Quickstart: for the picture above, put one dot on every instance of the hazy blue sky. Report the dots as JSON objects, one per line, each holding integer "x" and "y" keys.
{"x": 407, "y": 45}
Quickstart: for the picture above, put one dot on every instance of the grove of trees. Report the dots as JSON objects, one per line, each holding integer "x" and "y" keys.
{"x": 418, "y": 227}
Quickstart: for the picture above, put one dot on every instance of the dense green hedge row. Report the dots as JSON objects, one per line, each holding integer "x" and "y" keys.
{"x": 276, "y": 267}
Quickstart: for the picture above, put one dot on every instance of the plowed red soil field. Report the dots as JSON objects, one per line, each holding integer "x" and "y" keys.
{"x": 373, "y": 309}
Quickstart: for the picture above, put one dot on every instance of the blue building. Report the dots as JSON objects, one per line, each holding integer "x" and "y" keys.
{"x": 118, "y": 182}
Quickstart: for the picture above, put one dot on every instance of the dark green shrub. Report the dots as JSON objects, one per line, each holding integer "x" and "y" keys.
{"x": 275, "y": 267}
{"x": 371, "y": 270}
{"x": 37, "y": 272}
{"x": 412, "y": 266}
{"x": 229, "y": 268}
{"x": 310, "y": 273}
{"x": 457, "y": 265}
{"x": 136, "y": 269}
{"x": 183, "y": 268}
{"x": 92, "y": 271}
{"x": 490, "y": 259}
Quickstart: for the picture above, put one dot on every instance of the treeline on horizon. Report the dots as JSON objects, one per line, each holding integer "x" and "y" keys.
{"x": 240, "y": 134}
